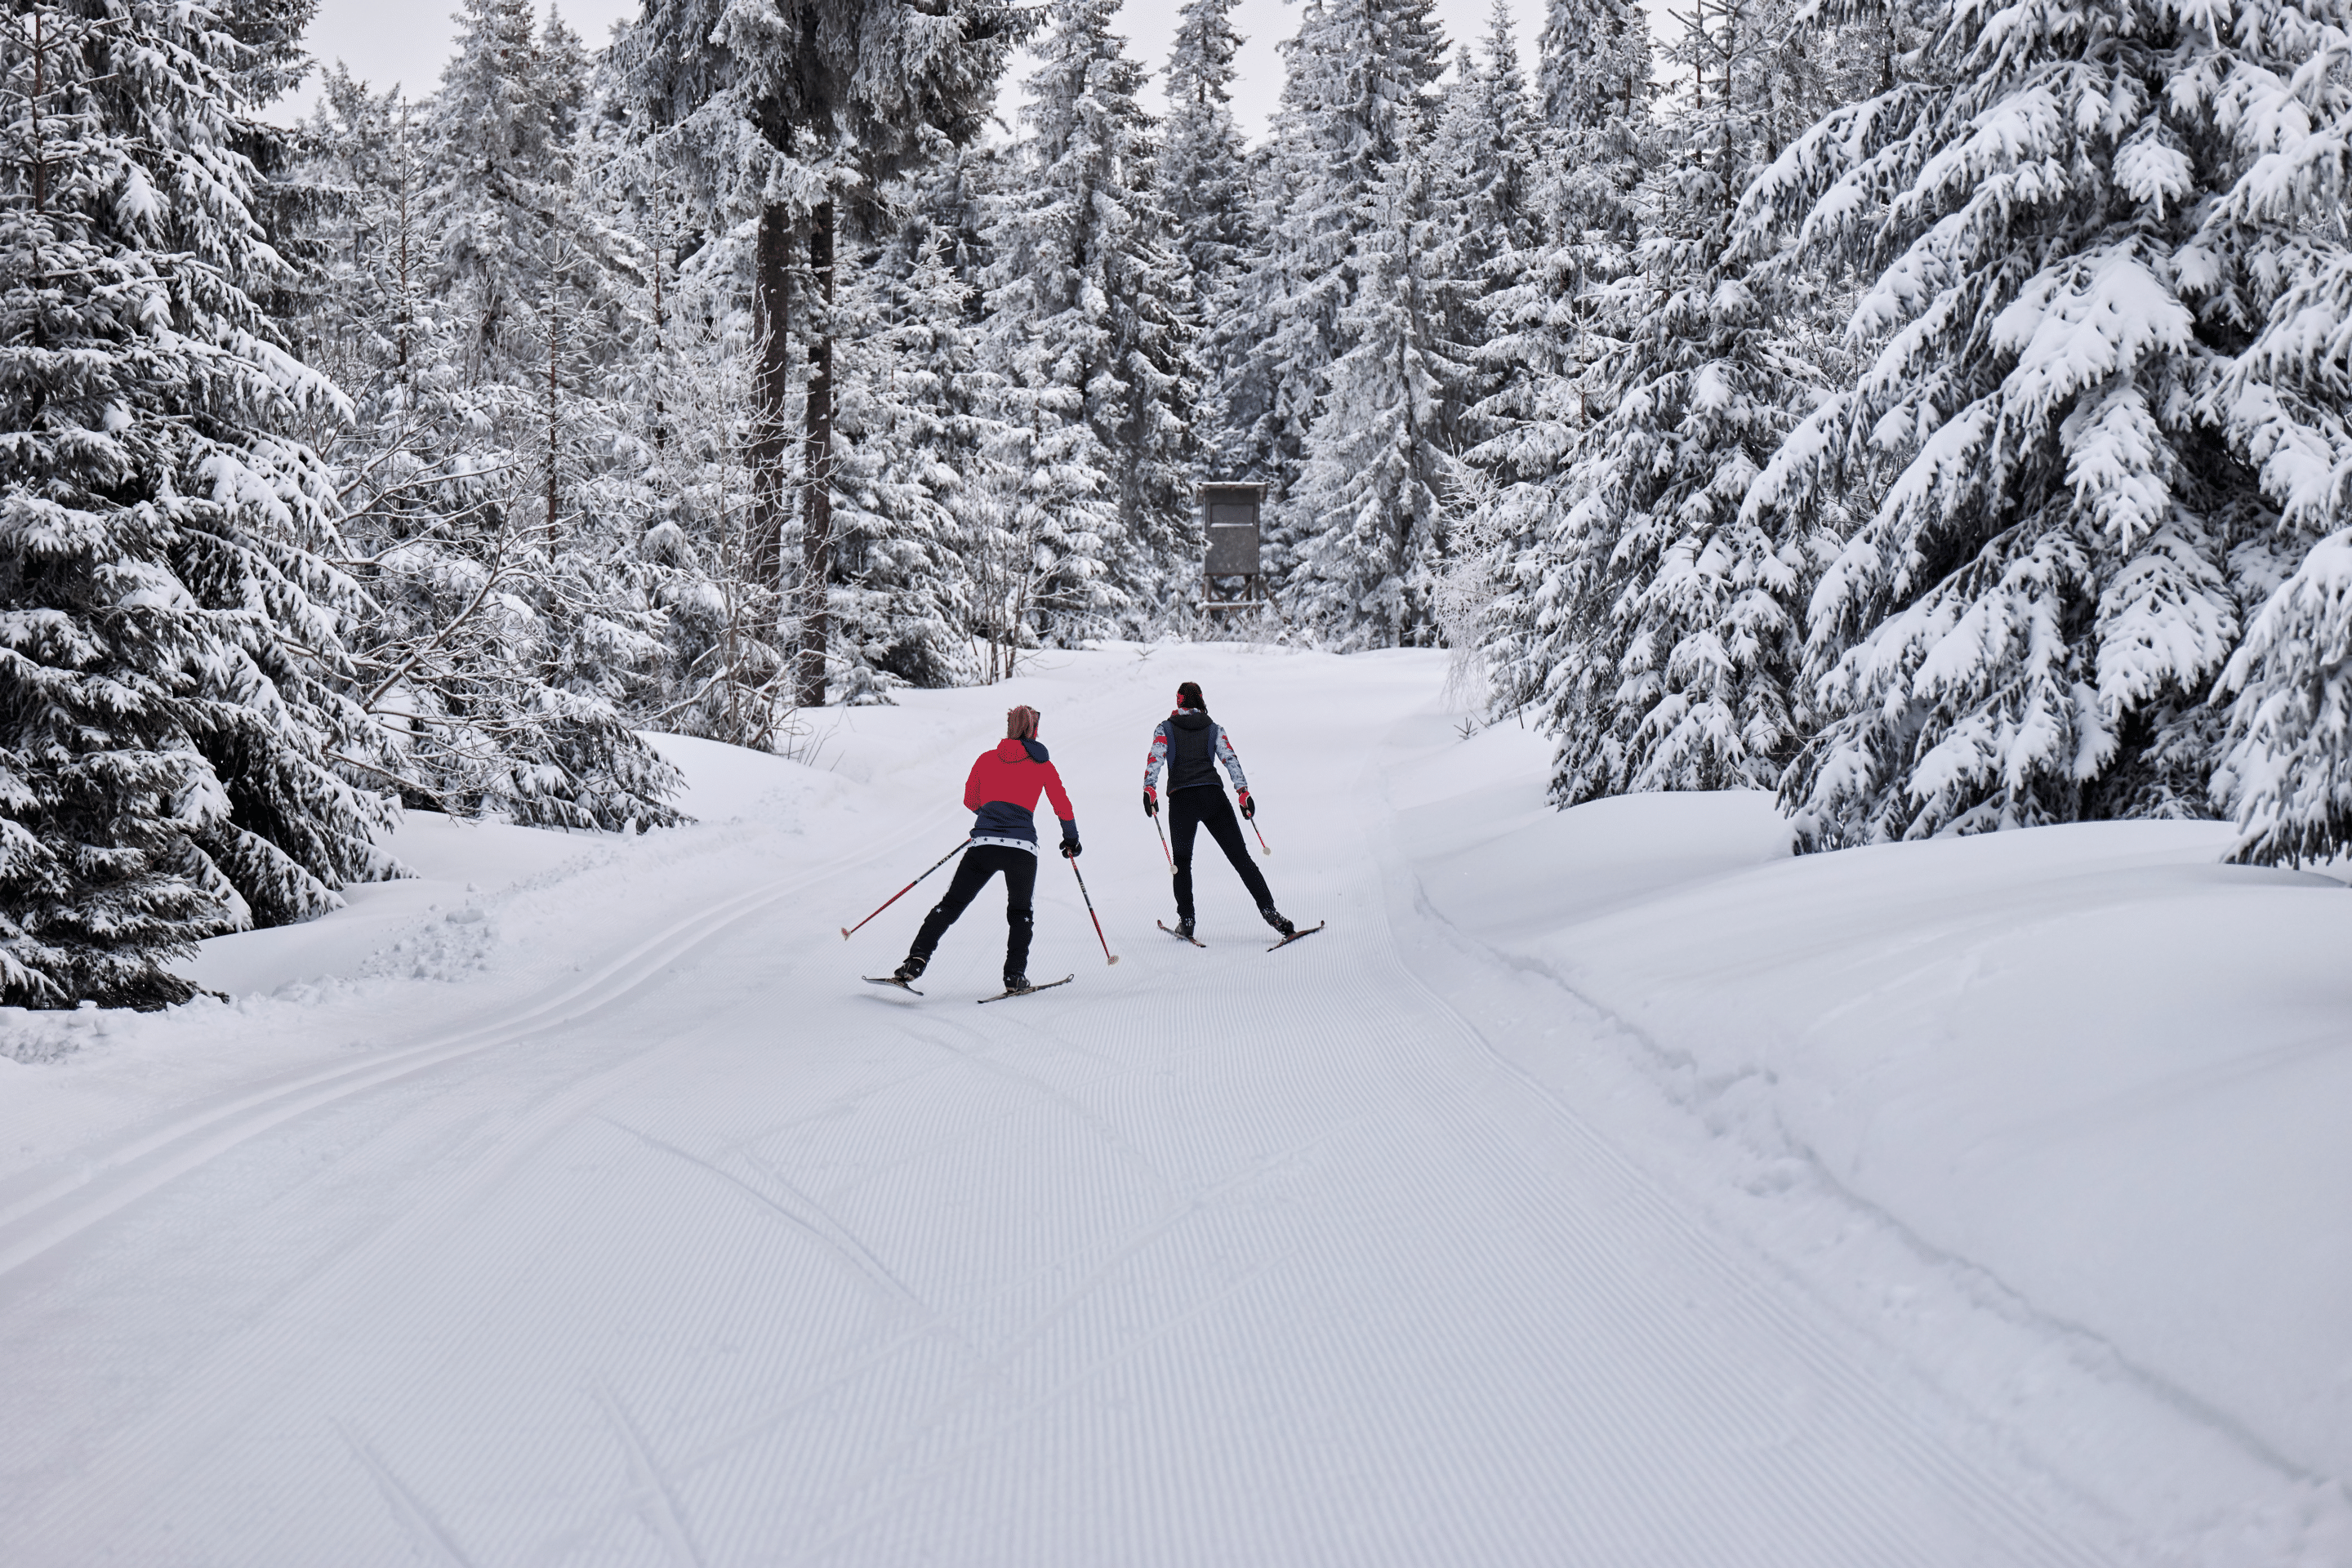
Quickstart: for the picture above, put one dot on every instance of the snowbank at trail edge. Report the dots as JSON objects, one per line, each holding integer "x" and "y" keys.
{"x": 458, "y": 865}
{"x": 2091, "y": 1060}
{"x": 493, "y": 914}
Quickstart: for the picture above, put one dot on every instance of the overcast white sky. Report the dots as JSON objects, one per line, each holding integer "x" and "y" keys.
{"x": 407, "y": 41}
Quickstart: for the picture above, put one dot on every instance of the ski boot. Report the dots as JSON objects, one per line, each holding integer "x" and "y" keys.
{"x": 1274, "y": 917}
{"x": 1015, "y": 984}
{"x": 910, "y": 970}
{"x": 1183, "y": 929}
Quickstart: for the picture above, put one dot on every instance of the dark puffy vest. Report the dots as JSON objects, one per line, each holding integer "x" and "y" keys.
{"x": 1192, "y": 750}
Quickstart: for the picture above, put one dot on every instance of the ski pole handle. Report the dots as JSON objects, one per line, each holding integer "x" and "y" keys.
{"x": 1108, "y": 956}
{"x": 905, "y": 891}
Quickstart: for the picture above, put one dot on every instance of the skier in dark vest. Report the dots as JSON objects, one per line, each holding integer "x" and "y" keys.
{"x": 1003, "y": 789}
{"x": 1191, "y": 745}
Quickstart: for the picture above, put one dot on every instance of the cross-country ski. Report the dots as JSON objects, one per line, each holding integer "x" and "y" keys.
{"x": 891, "y": 980}
{"x": 1011, "y": 992}
{"x": 1180, "y": 933}
{"x": 1293, "y": 936}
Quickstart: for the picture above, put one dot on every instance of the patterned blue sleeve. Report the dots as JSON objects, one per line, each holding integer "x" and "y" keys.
{"x": 1228, "y": 755}
{"x": 1156, "y": 757}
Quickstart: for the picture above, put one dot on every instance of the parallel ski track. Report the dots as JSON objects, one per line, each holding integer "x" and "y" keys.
{"x": 108, "y": 1178}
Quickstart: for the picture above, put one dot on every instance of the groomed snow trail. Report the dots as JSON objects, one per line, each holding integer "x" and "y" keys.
{"x": 711, "y": 1255}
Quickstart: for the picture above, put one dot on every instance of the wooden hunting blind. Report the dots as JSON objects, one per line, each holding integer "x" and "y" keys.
{"x": 1233, "y": 573}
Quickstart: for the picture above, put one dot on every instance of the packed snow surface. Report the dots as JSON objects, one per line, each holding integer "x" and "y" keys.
{"x": 1601, "y": 1187}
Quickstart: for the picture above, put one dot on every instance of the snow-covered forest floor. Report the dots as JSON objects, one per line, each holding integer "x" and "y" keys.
{"x": 1603, "y": 1186}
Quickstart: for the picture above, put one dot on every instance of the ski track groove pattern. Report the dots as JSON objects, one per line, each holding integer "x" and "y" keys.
{"x": 430, "y": 1535}
{"x": 651, "y": 1484}
{"x": 246, "y": 1367}
{"x": 110, "y": 1176}
{"x": 151, "y": 1158}
{"x": 1865, "y": 1523}
{"x": 829, "y": 1238}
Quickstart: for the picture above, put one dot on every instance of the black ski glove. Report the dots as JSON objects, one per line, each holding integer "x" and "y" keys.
{"x": 1249, "y": 806}
{"x": 1070, "y": 848}
{"x": 1151, "y": 801}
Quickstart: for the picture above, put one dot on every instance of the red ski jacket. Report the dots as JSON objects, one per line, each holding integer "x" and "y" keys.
{"x": 1003, "y": 789}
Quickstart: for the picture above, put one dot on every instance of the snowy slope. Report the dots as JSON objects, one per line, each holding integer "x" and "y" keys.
{"x": 1602, "y": 1187}
{"x": 2089, "y": 1060}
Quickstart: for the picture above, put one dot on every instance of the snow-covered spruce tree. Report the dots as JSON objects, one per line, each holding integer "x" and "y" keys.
{"x": 364, "y": 301}
{"x": 1488, "y": 180}
{"x": 900, "y": 460}
{"x": 174, "y": 702}
{"x": 2287, "y": 112}
{"x": 2027, "y": 627}
{"x": 787, "y": 118}
{"x": 1714, "y": 694}
{"x": 1372, "y": 499}
{"x": 512, "y": 624}
{"x": 1054, "y": 524}
{"x": 727, "y": 677}
{"x": 1484, "y": 173}
{"x": 655, "y": 442}
{"x": 951, "y": 365}
{"x": 1547, "y": 334}
{"x": 617, "y": 408}
{"x": 1594, "y": 70}
{"x": 1261, "y": 402}
{"x": 1092, "y": 310}
{"x": 1204, "y": 176}
{"x": 1594, "y": 88}
{"x": 1360, "y": 87}
{"x": 942, "y": 357}
{"x": 1676, "y": 632}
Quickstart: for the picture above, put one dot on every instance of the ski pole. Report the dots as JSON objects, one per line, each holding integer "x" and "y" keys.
{"x": 1163, "y": 844}
{"x": 1108, "y": 956}
{"x": 1261, "y": 834}
{"x": 903, "y": 892}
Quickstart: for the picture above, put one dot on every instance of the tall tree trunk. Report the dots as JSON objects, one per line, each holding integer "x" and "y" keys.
{"x": 770, "y": 397}
{"x": 407, "y": 300}
{"x": 817, "y": 465}
{"x": 661, "y": 330}
{"x": 551, "y": 410}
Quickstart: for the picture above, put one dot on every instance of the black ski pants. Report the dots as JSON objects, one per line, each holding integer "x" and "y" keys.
{"x": 1205, "y": 805}
{"x": 980, "y": 862}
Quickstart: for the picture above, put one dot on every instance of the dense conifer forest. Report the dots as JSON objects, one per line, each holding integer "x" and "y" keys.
{"x": 1933, "y": 411}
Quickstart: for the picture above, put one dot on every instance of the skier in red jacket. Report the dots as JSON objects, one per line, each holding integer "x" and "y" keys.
{"x": 1003, "y": 789}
